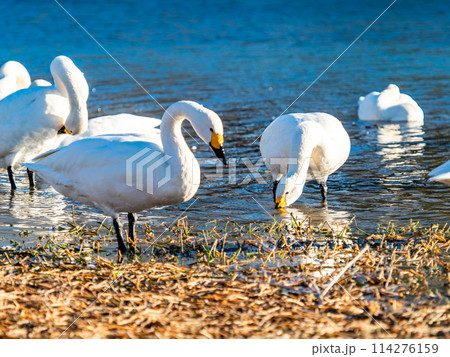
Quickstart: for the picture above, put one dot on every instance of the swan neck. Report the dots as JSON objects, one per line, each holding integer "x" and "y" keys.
{"x": 70, "y": 82}
{"x": 171, "y": 136}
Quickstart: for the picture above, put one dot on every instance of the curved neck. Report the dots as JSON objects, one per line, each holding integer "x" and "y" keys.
{"x": 71, "y": 83}
{"x": 173, "y": 141}
{"x": 302, "y": 146}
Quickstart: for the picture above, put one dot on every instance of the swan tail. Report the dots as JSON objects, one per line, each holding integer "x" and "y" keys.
{"x": 70, "y": 81}
{"x": 58, "y": 180}
{"x": 44, "y": 155}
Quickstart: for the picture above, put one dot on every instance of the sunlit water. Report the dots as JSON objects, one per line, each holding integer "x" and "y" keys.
{"x": 248, "y": 62}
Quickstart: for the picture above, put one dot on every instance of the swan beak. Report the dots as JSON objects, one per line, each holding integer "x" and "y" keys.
{"x": 216, "y": 145}
{"x": 63, "y": 130}
{"x": 280, "y": 202}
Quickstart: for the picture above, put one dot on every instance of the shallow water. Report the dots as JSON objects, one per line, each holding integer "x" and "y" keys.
{"x": 248, "y": 62}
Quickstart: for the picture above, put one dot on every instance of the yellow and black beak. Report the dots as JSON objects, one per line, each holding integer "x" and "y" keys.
{"x": 280, "y": 202}
{"x": 63, "y": 130}
{"x": 217, "y": 146}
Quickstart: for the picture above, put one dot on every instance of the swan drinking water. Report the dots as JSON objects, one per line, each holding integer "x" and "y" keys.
{"x": 32, "y": 118}
{"x": 301, "y": 147}
{"x": 120, "y": 173}
{"x": 389, "y": 105}
{"x": 13, "y": 77}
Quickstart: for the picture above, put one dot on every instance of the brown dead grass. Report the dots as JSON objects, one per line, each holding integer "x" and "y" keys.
{"x": 266, "y": 282}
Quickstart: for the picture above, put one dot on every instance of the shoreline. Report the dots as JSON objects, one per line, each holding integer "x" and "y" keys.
{"x": 282, "y": 280}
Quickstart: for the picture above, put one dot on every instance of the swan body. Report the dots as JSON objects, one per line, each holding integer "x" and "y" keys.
{"x": 441, "y": 173}
{"x": 389, "y": 105}
{"x": 31, "y": 118}
{"x": 40, "y": 83}
{"x": 13, "y": 77}
{"x": 117, "y": 124}
{"x": 301, "y": 147}
{"x": 111, "y": 172}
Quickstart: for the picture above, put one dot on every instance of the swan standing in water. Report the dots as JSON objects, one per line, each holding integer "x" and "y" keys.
{"x": 120, "y": 173}
{"x": 301, "y": 147}
{"x": 441, "y": 173}
{"x": 391, "y": 105}
{"x": 13, "y": 77}
{"x": 32, "y": 118}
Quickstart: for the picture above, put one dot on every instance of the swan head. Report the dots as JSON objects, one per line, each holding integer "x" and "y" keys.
{"x": 393, "y": 88}
{"x": 208, "y": 126}
{"x": 288, "y": 190}
{"x": 70, "y": 81}
{"x": 17, "y": 70}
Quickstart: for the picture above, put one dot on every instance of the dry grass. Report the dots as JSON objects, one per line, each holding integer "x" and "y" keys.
{"x": 255, "y": 281}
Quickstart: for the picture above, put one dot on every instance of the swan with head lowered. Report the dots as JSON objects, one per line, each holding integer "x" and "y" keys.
{"x": 32, "y": 119}
{"x": 13, "y": 77}
{"x": 127, "y": 173}
{"x": 389, "y": 105}
{"x": 300, "y": 147}
{"x": 441, "y": 173}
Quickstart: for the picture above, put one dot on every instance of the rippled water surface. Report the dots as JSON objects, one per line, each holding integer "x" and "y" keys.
{"x": 248, "y": 62}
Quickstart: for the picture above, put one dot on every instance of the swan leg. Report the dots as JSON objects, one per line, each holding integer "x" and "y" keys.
{"x": 323, "y": 190}
{"x": 11, "y": 178}
{"x": 132, "y": 229}
{"x": 31, "y": 178}
{"x": 274, "y": 189}
{"x": 118, "y": 228}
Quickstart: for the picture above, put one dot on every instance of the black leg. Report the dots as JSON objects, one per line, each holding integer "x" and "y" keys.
{"x": 275, "y": 185}
{"x": 118, "y": 229}
{"x": 132, "y": 229}
{"x": 30, "y": 178}
{"x": 11, "y": 178}
{"x": 323, "y": 190}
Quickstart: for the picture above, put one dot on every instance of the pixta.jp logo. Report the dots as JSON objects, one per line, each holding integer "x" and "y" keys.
{"x": 148, "y": 170}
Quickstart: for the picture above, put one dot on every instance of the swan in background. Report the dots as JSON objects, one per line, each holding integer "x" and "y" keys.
{"x": 391, "y": 105}
{"x": 32, "y": 118}
{"x": 119, "y": 173}
{"x": 13, "y": 77}
{"x": 300, "y": 147}
{"x": 40, "y": 83}
{"x": 117, "y": 124}
{"x": 441, "y": 173}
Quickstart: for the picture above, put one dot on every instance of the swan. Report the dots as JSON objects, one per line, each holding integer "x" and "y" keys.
{"x": 300, "y": 147}
{"x": 40, "y": 83}
{"x": 441, "y": 173}
{"x": 389, "y": 105}
{"x": 123, "y": 174}
{"x": 32, "y": 118}
{"x": 13, "y": 77}
{"x": 117, "y": 124}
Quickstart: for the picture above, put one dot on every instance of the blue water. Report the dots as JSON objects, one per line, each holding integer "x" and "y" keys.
{"x": 248, "y": 61}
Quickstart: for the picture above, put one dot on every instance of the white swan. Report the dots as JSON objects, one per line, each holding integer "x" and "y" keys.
{"x": 441, "y": 173}
{"x": 391, "y": 105}
{"x": 31, "y": 118}
{"x": 117, "y": 173}
{"x": 301, "y": 147}
{"x": 117, "y": 124}
{"x": 40, "y": 83}
{"x": 13, "y": 77}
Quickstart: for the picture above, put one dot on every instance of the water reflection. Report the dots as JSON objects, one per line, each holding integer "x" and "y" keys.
{"x": 317, "y": 214}
{"x": 399, "y": 141}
